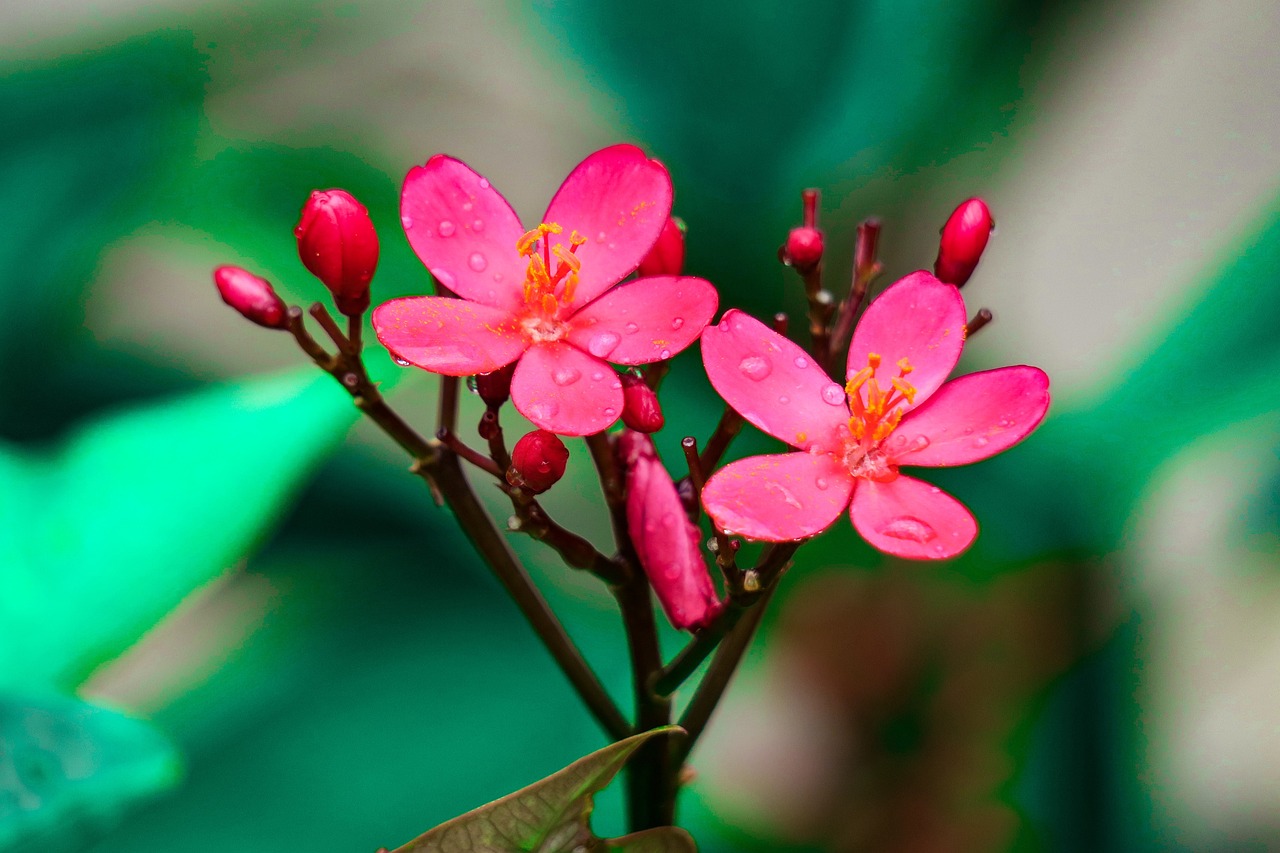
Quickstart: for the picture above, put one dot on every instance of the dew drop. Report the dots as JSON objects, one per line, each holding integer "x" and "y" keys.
{"x": 724, "y": 325}
{"x": 400, "y": 361}
{"x": 981, "y": 441}
{"x": 755, "y": 367}
{"x": 1004, "y": 423}
{"x": 477, "y": 262}
{"x": 407, "y": 221}
{"x": 602, "y": 344}
{"x": 445, "y": 277}
{"x": 677, "y": 322}
{"x": 467, "y": 206}
{"x": 446, "y": 228}
{"x": 802, "y": 362}
{"x": 784, "y": 400}
{"x": 610, "y": 412}
{"x": 631, "y": 328}
{"x": 665, "y": 354}
{"x": 484, "y": 184}
{"x": 786, "y": 495}
{"x": 566, "y": 376}
{"x": 544, "y": 466}
{"x": 477, "y": 225}
{"x": 600, "y": 237}
{"x": 908, "y": 528}
{"x": 544, "y": 410}
{"x": 822, "y": 483}
{"x": 473, "y": 385}
{"x": 833, "y": 395}
{"x": 597, "y": 376}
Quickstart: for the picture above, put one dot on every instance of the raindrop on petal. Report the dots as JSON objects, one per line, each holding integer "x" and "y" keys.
{"x": 597, "y": 376}
{"x": 677, "y": 322}
{"x": 446, "y": 228}
{"x": 909, "y": 528}
{"x": 665, "y": 354}
{"x": 610, "y": 412}
{"x": 833, "y": 394}
{"x": 755, "y": 367}
{"x": 631, "y": 328}
{"x": 544, "y": 410}
{"x": 981, "y": 441}
{"x": 821, "y": 483}
{"x": 1004, "y": 423}
{"x": 602, "y": 344}
{"x": 484, "y": 184}
{"x": 566, "y": 376}
{"x": 473, "y": 385}
{"x": 801, "y": 362}
{"x": 445, "y": 277}
{"x": 784, "y": 493}
{"x": 784, "y": 400}
{"x": 477, "y": 225}
{"x": 477, "y": 262}
{"x": 407, "y": 221}
{"x": 400, "y": 361}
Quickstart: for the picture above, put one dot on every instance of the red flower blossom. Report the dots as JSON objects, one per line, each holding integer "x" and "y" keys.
{"x": 892, "y": 411}
{"x": 545, "y": 296}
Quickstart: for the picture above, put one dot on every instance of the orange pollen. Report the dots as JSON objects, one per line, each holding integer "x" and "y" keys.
{"x": 877, "y": 414}
{"x": 548, "y": 286}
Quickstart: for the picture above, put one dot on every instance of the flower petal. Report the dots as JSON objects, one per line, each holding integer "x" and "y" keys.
{"x": 779, "y": 497}
{"x": 645, "y": 320}
{"x": 917, "y": 318}
{"x": 450, "y": 336}
{"x": 619, "y": 200}
{"x": 773, "y": 383}
{"x": 909, "y": 518}
{"x": 464, "y": 231}
{"x": 564, "y": 390}
{"x": 977, "y": 416}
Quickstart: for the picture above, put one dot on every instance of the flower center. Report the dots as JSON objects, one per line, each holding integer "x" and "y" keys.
{"x": 875, "y": 412}
{"x": 548, "y": 287}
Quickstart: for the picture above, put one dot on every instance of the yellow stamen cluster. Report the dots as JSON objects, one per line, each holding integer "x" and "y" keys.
{"x": 540, "y": 281}
{"x": 878, "y": 415}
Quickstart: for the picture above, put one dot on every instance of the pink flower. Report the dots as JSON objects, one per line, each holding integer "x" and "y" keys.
{"x": 666, "y": 541}
{"x": 893, "y": 410}
{"x": 545, "y": 296}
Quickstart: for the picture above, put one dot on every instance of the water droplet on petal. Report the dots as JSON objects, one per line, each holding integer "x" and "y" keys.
{"x": 784, "y": 493}
{"x": 446, "y": 228}
{"x": 1004, "y": 423}
{"x": 477, "y": 262}
{"x": 631, "y": 328}
{"x": 755, "y": 367}
{"x": 784, "y": 400}
{"x": 484, "y": 184}
{"x": 597, "y": 376}
{"x": 445, "y": 277}
{"x": 477, "y": 225}
{"x": 473, "y": 385}
{"x": 466, "y": 205}
{"x": 610, "y": 412}
{"x": 407, "y": 221}
{"x": 400, "y": 361}
{"x": 600, "y": 237}
{"x": 542, "y": 411}
{"x": 801, "y": 362}
{"x": 981, "y": 441}
{"x": 833, "y": 394}
{"x": 602, "y": 344}
{"x": 724, "y": 325}
{"x": 908, "y": 528}
{"x": 566, "y": 376}
{"x": 821, "y": 483}
{"x": 677, "y": 322}
{"x": 665, "y": 354}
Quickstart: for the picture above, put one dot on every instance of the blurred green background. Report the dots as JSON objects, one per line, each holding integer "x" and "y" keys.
{"x": 228, "y": 621}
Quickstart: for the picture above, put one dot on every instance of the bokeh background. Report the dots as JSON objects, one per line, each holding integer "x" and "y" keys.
{"x": 230, "y": 621}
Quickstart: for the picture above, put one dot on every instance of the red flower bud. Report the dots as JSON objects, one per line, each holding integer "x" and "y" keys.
{"x": 252, "y": 296}
{"x": 666, "y": 542}
{"x": 803, "y": 249}
{"x": 338, "y": 244}
{"x": 537, "y": 461}
{"x": 667, "y": 255}
{"x": 963, "y": 239}
{"x": 495, "y": 388}
{"x": 640, "y": 408}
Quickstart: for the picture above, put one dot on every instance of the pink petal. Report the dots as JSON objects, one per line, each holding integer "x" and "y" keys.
{"x": 564, "y": 390}
{"x": 464, "y": 231}
{"x": 449, "y": 336}
{"x": 909, "y": 518}
{"x": 619, "y": 200}
{"x": 773, "y": 383}
{"x": 917, "y": 318}
{"x": 645, "y": 320}
{"x": 977, "y": 416}
{"x": 778, "y": 497}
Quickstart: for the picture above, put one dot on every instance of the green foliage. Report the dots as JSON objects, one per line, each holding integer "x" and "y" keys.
{"x": 553, "y": 815}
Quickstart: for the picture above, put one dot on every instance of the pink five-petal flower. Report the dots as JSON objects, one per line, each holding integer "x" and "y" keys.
{"x": 545, "y": 296}
{"x": 666, "y": 542}
{"x": 893, "y": 410}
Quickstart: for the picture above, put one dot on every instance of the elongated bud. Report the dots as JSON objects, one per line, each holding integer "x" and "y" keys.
{"x": 666, "y": 542}
{"x": 252, "y": 296}
{"x": 640, "y": 408}
{"x": 338, "y": 244}
{"x": 803, "y": 249}
{"x": 667, "y": 255}
{"x": 963, "y": 239}
{"x": 537, "y": 461}
{"x": 495, "y": 388}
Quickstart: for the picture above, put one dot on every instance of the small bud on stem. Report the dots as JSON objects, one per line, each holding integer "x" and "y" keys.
{"x": 640, "y": 408}
{"x": 252, "y": 296}
{"x": 963, "y": 238}
{"x": 338, "y": 244}
{"x": 537, "y": 461}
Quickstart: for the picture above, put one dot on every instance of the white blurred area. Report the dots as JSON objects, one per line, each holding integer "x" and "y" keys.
{"x": 1144, "y": 144}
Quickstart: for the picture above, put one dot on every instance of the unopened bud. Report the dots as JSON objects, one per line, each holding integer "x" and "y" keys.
{"x": 251, "y": 295}
{"x": 667, "y": 255}
{"x": 338, "y": 244}
{"x": 495, "y": 387}
{"x": 640, "y": 408}
{"x": 803, "y": 249}
{"x": 963, "y": 239}
{"x": 537, "y": 461}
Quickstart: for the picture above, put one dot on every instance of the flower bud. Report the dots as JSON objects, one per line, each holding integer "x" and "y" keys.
{"x": 666, "y": 542}
{"x": 338, "y": 244}
{"x": 495, "y": 387}
{"x": 537, "y": 461}
{"x": 803, "y": 249}
{"x": 667, "y": 255}
{"x": 640, "y": 408}
{"x": 963, "y": 239}
{"x": 252, "y": 296}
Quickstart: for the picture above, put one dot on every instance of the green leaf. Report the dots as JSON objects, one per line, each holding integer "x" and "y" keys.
{"x": 100, "y": 540}
{"x": 553, "y": 814}
{"x": 67, "y": 768}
